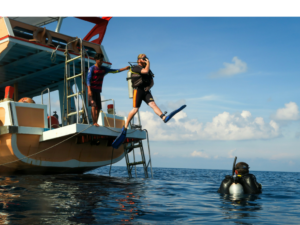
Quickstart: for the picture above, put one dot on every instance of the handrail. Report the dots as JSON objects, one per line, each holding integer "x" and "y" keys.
{"x": 67, "y": 78}
{"x": 49, "y": 105}
{"x": 114, "y": 109}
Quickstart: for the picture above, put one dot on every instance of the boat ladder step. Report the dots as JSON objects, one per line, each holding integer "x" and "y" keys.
{"x": 136, "y": 163}
{"x": 130, "y": 147}
{"x": 80, "y": 87}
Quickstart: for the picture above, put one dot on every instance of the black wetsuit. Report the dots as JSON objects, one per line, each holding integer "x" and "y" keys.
{"x": 248, "y": 181}
{"x": 139, "y": 83}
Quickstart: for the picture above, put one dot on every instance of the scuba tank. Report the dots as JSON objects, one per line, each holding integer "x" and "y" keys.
{"x": 236, "y": 189}
{"x": 130, "y": 89}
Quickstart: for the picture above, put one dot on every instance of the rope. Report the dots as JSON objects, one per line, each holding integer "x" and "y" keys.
{"x": 112, "y": 153}
{"x": 46, "y": 148}
{"x": 106, "y": 118}
{"x": 109, "y": 125}
{"x": 53, "y": 55}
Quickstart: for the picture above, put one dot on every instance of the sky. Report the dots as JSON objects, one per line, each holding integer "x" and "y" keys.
{"x": 238, "y": 76}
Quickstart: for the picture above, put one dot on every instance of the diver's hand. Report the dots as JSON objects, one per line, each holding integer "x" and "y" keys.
{"x": 147, "y": 88}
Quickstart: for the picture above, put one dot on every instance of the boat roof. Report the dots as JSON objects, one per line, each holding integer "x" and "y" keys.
{"x": 33, "y": 65}
{"x": 36, "y": 21}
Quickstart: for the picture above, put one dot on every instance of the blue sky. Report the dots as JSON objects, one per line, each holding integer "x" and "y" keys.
{"x": 238, "y": 76}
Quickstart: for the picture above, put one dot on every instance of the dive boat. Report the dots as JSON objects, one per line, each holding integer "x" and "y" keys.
{"x": 32, "y": 141}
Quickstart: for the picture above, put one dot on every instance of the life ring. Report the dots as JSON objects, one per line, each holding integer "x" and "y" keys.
{"x": 73, "y": 46}
{"x": 40, "y": 35}
{"x": 26, "y": 100}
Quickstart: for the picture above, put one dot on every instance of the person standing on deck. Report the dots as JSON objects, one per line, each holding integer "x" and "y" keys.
{"x": 94, "y": 82}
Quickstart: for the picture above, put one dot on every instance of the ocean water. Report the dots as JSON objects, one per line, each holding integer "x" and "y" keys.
{"x": 173, "y": 196}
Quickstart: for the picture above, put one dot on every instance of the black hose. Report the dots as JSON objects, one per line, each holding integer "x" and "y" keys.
{"x": 233, "y": 168}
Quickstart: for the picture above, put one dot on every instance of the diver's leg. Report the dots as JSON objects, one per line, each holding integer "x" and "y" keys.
{"x": 137, "y": 101}
{"x": 130, "y": 116}
{"x": 156, "y": 109}
{"x": 150, "y": 101}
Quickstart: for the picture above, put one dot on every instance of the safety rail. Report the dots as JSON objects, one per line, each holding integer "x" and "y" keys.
{"x": 114, "y": 109}
{"x": 49, "y": 102}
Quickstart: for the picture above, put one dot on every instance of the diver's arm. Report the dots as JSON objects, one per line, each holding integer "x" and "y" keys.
{"x": 147, "y": 68}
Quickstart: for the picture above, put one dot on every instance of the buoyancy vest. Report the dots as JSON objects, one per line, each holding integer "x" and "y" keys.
{"x": 248, "y": 181}
{"x": 225, "y": 185}
{"x": 140, "y": 80}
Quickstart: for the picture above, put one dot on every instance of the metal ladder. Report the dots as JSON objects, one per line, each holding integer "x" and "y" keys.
{"x": 131, "y": 147}
{"x": 68, "y": 87}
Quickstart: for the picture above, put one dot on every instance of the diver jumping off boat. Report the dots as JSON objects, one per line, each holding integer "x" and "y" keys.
{"x": 142, "y": 82}
{"x": 242, "y": 183}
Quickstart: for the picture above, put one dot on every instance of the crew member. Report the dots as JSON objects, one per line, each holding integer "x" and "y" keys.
{"x": 247, "y": 180}
{"x": 94, "y": 83}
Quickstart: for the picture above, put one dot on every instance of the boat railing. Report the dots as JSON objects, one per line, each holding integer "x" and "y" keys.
{"x": 49, "y": 102}
{"x": 113, "y": 108}
{"x": 50, "y": 38}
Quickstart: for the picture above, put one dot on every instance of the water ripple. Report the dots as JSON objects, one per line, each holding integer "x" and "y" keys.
{"x": 176, "y": 196}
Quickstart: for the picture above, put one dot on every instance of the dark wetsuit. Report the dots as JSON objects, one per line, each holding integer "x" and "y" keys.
{"x": 139, "y": 93}
{"x": 248, "y": 181}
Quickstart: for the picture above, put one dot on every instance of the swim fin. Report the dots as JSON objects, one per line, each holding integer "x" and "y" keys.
{"x": 120, "y": 139}
{"x": 173, "y": 113}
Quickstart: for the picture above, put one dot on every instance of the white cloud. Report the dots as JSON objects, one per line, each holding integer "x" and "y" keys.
{"x": 230, "y": 153}
{"x": 291, "y": 163}
{"x": 206, "y": 98}
{"x": 224, "y": 126}
{"x": 177, "y": 104}
{"x": 230, "y": 69}
{"x": 200, "y": 154}
{"x": 289, "y": 112}
{"x": 283, "y": 155}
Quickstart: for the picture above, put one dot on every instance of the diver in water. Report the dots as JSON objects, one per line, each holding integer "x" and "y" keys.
{"x": 248, "y": 182}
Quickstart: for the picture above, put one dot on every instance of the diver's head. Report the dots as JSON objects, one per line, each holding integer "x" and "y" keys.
{"x": 242, "y": 168}
{"x": 141, "y": 59}
{"x": 99, "y": 59}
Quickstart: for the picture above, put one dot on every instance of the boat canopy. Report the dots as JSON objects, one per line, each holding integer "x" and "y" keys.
{"x": 36, "y": 21}
{"x": 33, "y": 58}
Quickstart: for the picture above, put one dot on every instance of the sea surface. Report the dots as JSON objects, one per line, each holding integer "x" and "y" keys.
{"x": 173, "y": 196}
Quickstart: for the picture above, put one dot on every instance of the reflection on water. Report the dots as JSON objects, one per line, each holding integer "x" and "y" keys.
{"x": 240, "y": 206}
{"x": 63, "y": 199}
{"x": 176, "y": 196}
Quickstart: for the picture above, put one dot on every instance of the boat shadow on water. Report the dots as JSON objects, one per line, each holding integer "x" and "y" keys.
{"x": 69, "y": 199}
